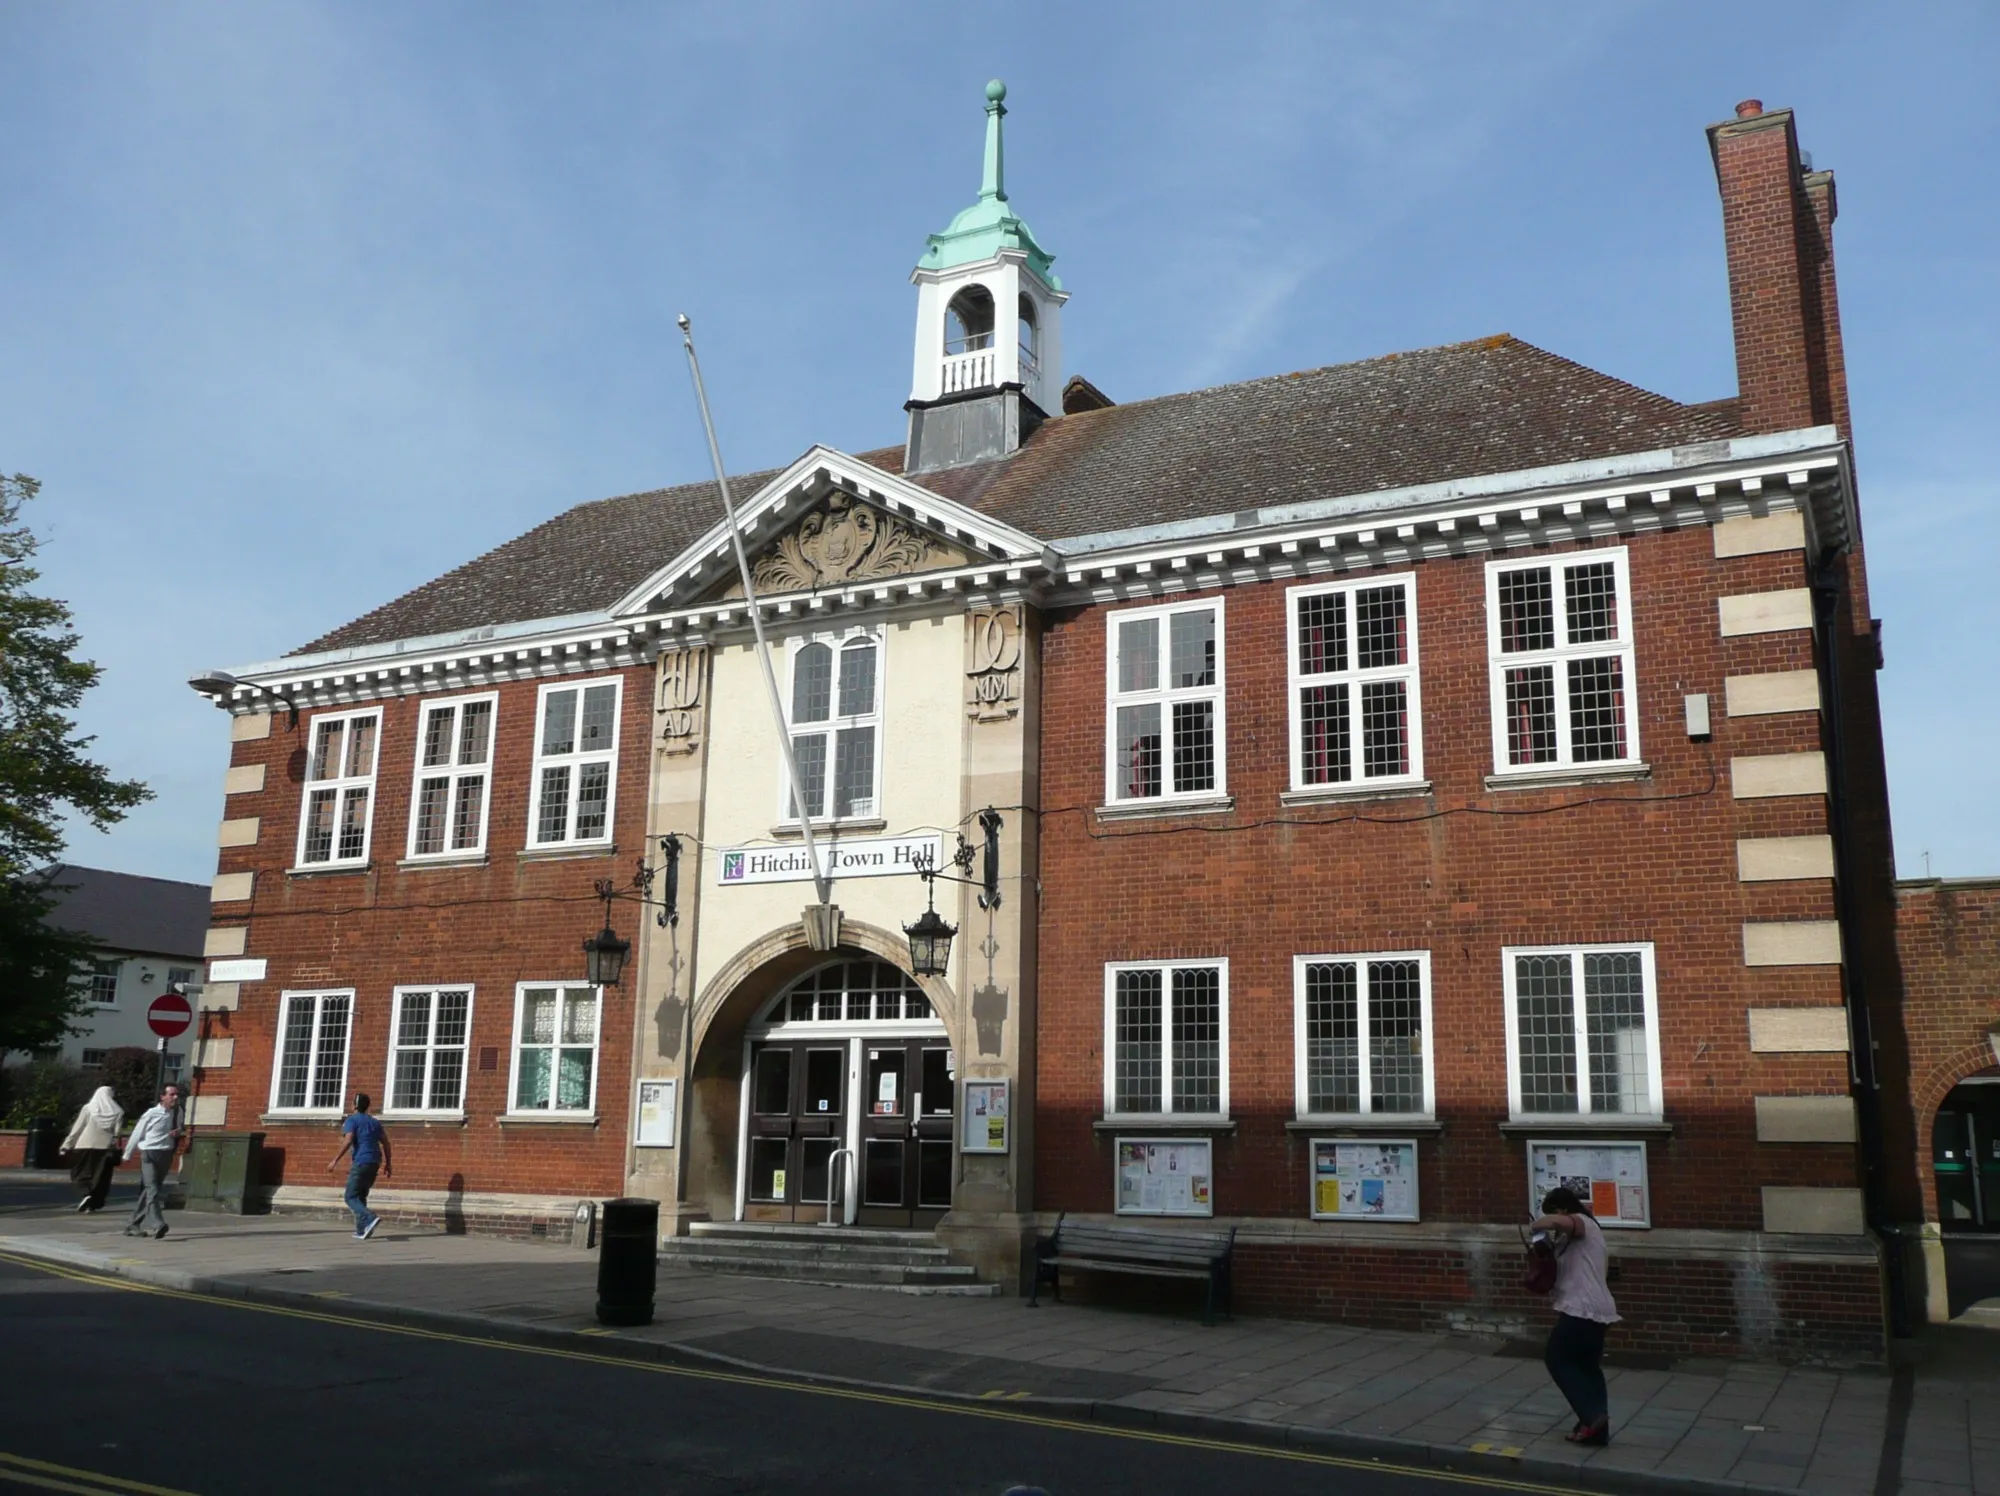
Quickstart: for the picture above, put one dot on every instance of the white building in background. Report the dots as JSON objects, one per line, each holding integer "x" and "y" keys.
{"x": 148, "y": 934}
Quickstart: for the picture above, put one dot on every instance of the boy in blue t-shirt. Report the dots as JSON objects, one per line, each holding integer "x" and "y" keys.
{"x": 370, "y": 1142}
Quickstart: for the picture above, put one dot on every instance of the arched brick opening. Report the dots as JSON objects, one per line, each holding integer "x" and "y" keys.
{"x": 723, "y": 1010}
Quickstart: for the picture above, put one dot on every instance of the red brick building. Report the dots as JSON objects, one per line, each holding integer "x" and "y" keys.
{"x": 1421, "y": 780}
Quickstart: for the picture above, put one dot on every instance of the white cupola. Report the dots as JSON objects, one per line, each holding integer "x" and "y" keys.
{"x": 988, "y": 365}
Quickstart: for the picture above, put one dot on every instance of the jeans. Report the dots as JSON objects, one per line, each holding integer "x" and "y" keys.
{"x": 1575, "y": 1358}
{"x": 147, "y": 1218}
{"x": 360, "y": 1180}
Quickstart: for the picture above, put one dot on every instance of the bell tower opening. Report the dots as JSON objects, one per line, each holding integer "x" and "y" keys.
{"x": 975, "y": 395}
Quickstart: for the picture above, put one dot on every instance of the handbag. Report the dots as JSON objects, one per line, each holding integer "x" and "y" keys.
{"x": 1539, "y": 1274}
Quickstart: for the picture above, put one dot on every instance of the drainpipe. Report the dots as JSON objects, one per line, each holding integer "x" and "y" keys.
{"x": 1828, "y": 591}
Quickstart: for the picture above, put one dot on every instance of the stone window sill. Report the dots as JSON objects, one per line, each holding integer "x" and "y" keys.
{"x": 1385, "y": 1126}
{"x": 547, "y": 1119}
{"x": 461, "y": 859}
{"x": 831, "y": 829}
{"x": 1159, "y": 1122}
{"x": 1147, "y": 810}
{"x": 423, "y": 1119}
{"x": 1341, "y": 794}
{"x": 279, "y": 1119}
{"x": 567, "y": 852}
{"x": 1587, "y": 1127}
{"x": 1567, "y": 774}
{"x": 323, "y": 870}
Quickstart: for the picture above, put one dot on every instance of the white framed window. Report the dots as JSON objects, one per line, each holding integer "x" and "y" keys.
{"x": 311, "y": 1073}
{"x": 1559, "y": 641}
{"x": 1362, "y": 1035}
{"x": 1583, "y": 1031}
{"x": 448, "y": 804}
{"x": 104, "y": 982}
{"x": 1164, "y": 709}
{"x": 576, "y": 763}
{"x": 1355, "y": 702}
{"x": 92, "y": 1058}
{"x": 1166, "y": 1039}
{"x": 339, "y": 804}
{"x": 555, "y": 1049}
{"x": 427, "y": 1039}
{"x": 835, "y": 710}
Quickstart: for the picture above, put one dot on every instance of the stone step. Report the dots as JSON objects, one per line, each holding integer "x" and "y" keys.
{"x": 753, "y": 1265}
{"x": 887, "y": 1253}
{"x": 809, "y": 1231}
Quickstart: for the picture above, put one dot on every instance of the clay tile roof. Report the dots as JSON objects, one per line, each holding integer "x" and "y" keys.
{"x": 1489, "y": 406}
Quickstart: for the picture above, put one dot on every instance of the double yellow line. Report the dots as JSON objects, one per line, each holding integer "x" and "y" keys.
{"x": 46, "y": 1475}
{"x": 992, "y": 1410}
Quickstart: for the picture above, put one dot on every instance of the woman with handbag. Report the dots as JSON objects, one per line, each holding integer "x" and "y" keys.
{"x": 92, "y": 1148}
{"x": 1584, "y": 1310}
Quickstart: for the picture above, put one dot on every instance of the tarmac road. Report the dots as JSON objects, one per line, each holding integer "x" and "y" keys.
{"x": 111, "y": 1387}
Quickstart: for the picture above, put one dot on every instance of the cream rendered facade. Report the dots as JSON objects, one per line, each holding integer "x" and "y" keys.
{"x": 956, "y": 734}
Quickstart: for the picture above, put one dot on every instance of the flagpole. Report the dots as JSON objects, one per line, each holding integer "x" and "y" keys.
{"x": 821, "y": 884}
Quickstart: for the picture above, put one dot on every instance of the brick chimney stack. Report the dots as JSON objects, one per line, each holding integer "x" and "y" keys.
{"x": 1777, "y": 224}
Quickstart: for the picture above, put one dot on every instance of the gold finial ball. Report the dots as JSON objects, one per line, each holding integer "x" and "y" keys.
{"x": 995, "y": 91}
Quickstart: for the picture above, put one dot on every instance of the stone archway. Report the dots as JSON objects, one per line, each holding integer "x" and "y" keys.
{"x": 723, "y": 1010}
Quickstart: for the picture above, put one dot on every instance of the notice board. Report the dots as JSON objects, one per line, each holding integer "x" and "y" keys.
{"x": 1364, "y": 1179}
{"x": 1165, "y": 1177}
{"x": 1609, "y": 1176}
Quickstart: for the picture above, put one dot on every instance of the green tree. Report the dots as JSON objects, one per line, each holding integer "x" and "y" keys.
{"x": 45, "y": 770}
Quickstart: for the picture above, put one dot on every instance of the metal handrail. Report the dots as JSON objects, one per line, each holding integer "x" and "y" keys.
{"x": 832, "y": 1177}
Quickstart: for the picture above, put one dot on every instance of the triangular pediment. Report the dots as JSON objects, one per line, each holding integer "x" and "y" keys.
{"x": 831, "y": 521}
{"x": 841, "y": 540}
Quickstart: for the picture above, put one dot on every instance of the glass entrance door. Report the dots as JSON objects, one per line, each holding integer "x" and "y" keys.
{"x": 908, "y": 1103}
{"x": 1965, "y": 1156}
{"x": 798, "y": 1117}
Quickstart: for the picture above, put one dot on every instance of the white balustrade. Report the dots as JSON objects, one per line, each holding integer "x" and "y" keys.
{"x": 968, "y": 371}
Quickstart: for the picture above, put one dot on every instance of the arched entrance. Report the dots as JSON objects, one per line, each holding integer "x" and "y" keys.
{"x": 849, "y": 1096}
{"x": 1965, "y": 1163}
{"x": 1965, "y": 1156}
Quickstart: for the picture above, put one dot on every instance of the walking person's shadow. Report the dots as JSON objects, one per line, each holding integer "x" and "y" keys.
{"x": 454, "y": 1206}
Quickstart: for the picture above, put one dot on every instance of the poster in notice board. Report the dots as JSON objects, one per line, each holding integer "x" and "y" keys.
{"x": 1611, "y": 1176}
{"x": 983, "y": 1119}
{"x": 1165, "y": 1177}
{"x": 654, "y": 1114}
{"x": 1364, "y": 1179}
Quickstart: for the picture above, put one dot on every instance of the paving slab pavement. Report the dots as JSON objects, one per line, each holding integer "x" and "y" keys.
{"x": 1431, "y": 1399}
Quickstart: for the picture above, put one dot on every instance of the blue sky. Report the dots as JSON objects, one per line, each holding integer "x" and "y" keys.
{"x": 303, "y": 304}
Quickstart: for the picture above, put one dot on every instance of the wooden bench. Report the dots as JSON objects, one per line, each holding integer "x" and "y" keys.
{"x": 1104, "y": 1247}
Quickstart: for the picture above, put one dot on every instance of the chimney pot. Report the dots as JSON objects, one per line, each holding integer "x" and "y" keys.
{"x": 1749, "y": 108}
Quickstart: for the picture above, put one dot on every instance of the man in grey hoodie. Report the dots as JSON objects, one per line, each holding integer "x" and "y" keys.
{"x": 154, "y": 1137}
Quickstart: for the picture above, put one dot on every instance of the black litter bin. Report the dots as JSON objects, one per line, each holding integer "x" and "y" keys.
{"x": 628, "y": 1259}
{"x": 44, "y": 1143}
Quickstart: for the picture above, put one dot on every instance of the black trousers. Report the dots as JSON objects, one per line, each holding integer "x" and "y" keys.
{"x": 90, "y": 1171}
{"x": 1575, "y": 1358}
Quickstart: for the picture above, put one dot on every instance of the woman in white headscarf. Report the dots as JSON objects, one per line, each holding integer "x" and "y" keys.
{"x": 92, "y": 1146}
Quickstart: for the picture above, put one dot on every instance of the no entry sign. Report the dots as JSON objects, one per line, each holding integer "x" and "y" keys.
{"x": 169, "y": 1015}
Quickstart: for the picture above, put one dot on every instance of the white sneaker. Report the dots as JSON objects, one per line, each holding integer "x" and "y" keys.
{"x": 369, "y": 1230}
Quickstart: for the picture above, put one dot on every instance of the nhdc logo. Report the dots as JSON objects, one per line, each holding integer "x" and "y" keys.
{"x": 732, "y": 867}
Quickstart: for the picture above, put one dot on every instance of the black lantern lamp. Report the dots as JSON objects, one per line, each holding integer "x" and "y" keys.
{"x": 930, "y": 937}
{"x": 930, "y": 942}
{"x": 604, "y": 955}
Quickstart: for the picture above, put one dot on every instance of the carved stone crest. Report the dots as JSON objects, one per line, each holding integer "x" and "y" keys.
{"x": 993, "y": 676}
{"x": 842, "y": 539}
{"x": 681, "y": 673}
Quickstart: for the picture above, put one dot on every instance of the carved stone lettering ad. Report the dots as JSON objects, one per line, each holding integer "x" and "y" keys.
{"x": 681, "y": 674}
{"x": 993, "y": 680}
{"x": 844, "y": 540}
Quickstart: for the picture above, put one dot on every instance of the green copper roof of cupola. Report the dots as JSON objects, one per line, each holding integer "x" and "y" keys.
{"x": 989, "y": 225}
